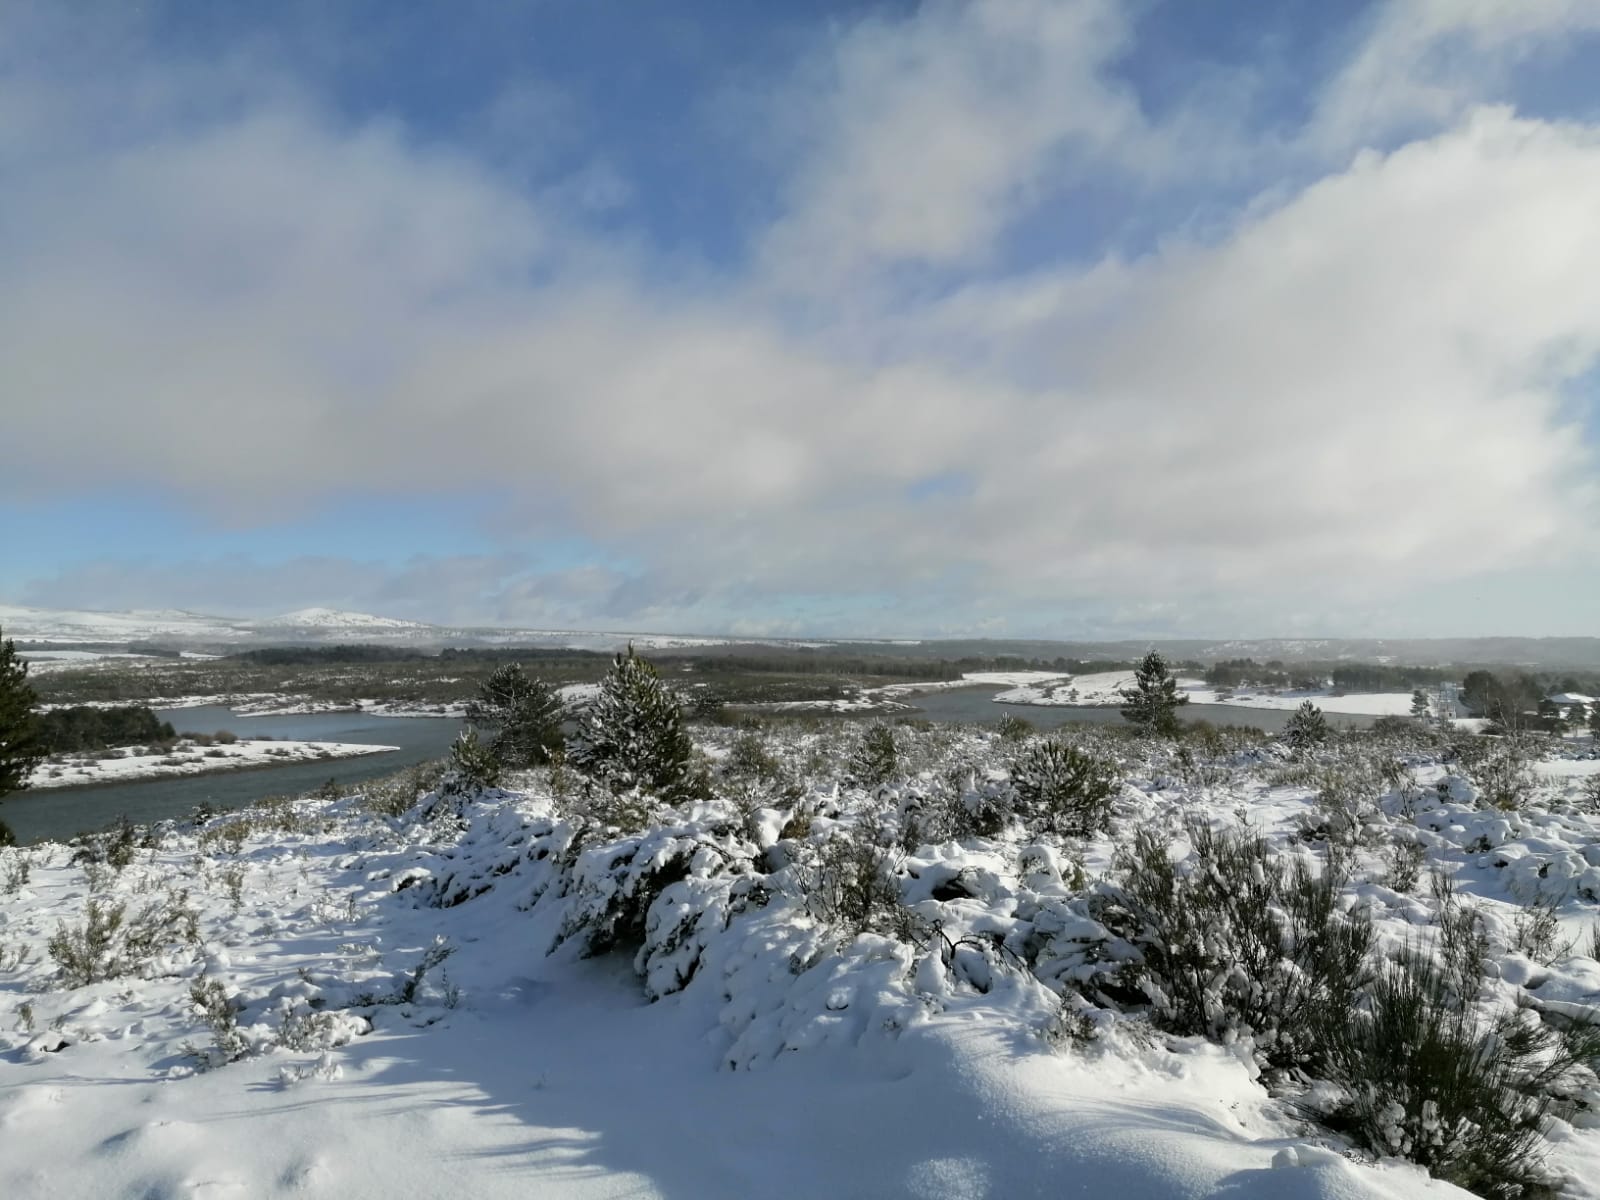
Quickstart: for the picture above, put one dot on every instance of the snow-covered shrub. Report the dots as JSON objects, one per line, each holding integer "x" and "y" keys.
{"x": 1404, "y": 859}
{"x": 847, "y": 881}
{"x": 1306, "y": 728}
{"x": 1538, "y": 932}
{"x": 1063, "y": 790}
{"x": 1427, "y": 1080}
{"x": 1234, "y": 941}
{"x": 15, "y": 870}
{"x": 632, "y": 735}
{"x": 1504, "y": 777}
{"x": 876, "y": 758}
{"x": 473, "y": 766}
{"x": 220, "y": 1012}
{"x": 109, "y": 944}
{"x": 1012, "y": 728}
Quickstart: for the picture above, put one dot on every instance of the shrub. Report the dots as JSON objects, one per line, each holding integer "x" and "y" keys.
{"x": 1063, "y": 790}
{"x": 1013, "y": 728}
{"x": 848, "y": 882}
{"x": 1233, "y": 941}
{"x": 875, "y": 758}
{"x": 473, "y": 765}
{"x": 1466, "y": 1100}
{"x": 108, "y": 944}
{"x": 1504, "y": 776}
{"x": 1306, "y": 728}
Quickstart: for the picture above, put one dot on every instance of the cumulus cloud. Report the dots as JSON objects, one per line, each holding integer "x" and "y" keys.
{"x": 1361, "y": 386}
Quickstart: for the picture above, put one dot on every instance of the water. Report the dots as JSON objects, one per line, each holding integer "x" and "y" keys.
{"x": 975, "y": 705}
{"x": 58, "y": 813}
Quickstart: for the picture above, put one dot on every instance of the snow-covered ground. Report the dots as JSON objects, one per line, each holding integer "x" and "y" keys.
{"x": 1105, "y": 688}
{"x": 740, "y": 1045}
{"x": 187, "y": 758}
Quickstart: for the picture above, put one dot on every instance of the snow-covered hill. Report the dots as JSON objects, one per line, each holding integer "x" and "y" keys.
{"x": 324, "y": 998}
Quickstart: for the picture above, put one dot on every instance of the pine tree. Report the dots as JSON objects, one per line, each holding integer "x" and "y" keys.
{"x": 1419, "y": 704}
{"x": 21, "y": 745}
{"x": 632, "y": 734}
{"x": 475, "y": 767}
{"x": 1306, "y": 728}
{"x": 524, "y": 713}
{"x": 1594, "y": 720}
{"x": 1153, "y": 700}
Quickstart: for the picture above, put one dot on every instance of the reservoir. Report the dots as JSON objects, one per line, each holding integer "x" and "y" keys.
{"x": 59, "y": 813}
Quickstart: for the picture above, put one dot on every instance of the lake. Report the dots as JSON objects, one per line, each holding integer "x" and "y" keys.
{"x": 59, "y": 813}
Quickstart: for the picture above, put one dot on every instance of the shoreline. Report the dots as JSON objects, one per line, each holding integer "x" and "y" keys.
{"x": 155, "y": 771}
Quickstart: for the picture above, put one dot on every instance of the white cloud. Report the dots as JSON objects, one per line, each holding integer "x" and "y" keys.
{"x": 928, "y": 134}
{"x": 1424, "y": 63}
{"x": 1356, "y": 391}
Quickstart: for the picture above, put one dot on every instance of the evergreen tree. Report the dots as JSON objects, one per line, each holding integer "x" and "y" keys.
{"x": 21, "y": 747}
{"x": 524, "y": 713}
{"x": 1594, "y": 720}
{"x": 474, "y": 766}
{"x": 1419, "y": 704}
{"x": 632, "y": 734}
{"x": 1306, "y": 728}
{"x": 1153, "y": 700}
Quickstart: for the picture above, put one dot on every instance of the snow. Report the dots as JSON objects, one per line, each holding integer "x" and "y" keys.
{"x": 188, "y": 758}
{"x": 1105, "y": 688}
{"x": 741, "y": 1048}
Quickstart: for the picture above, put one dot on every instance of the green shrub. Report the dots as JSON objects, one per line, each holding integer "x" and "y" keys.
{"x": 876, "y": 757}
{"x": 1063, "y": 790}
{"x": 1233, "y": 941}
{"x": 1467, "y": 1100}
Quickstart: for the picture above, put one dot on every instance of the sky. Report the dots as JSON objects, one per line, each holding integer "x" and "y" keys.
{"x": 1010, "y": 318}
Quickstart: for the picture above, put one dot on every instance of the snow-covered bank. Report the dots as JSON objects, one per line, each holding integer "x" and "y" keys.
{"x": 1103, "y": 689}
{"x": 188, "y": 758}
{"x": 744, "y": 1041}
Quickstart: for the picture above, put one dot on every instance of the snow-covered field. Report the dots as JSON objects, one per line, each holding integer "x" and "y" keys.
{"x": 1105, "y": 688}
{"x": 426, "y": 1005}
{"x": 188, "y": 758}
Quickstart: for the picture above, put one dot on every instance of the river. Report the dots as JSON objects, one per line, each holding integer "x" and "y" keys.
{"x": 59, "y": 813}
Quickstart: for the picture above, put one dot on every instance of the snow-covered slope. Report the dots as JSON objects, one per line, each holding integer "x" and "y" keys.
{"x": 749, "y": 1047}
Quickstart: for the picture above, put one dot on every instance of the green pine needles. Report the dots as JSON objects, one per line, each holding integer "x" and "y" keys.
{"x": 632, "y": 736}
{"x": 1153, "y": 701}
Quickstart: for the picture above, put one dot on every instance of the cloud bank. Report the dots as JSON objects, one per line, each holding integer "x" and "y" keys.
{"x": 885, "y": 415}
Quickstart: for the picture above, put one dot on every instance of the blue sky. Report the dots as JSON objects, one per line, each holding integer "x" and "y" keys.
{"x": 1010, "y": 317}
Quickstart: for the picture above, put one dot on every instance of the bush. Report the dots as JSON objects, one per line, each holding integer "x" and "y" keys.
{"x": 1306, "y": 728}
{"x": 108, "y": 944}
{"x": 848, "y": 882}
{"x": 1504, "y": 777}
{"x": 1466, "y": 1100}
{"x": 876, "y": 758}
{"x": 1013, "y": 728}
{"x": 473, "y": 765}
{"x": 1063, "y": 790}
{"x": 1234, "y": 942}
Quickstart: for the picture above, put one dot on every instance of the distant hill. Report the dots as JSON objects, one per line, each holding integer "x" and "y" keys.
{"x": 180, "y": 629}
